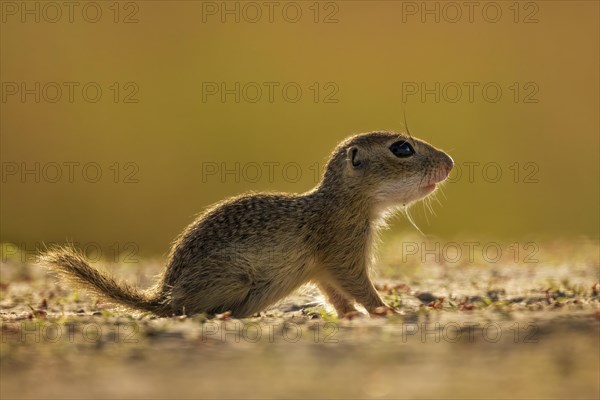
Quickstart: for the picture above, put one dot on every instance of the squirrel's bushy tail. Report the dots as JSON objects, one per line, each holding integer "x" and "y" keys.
{"x": 72, "y": 266}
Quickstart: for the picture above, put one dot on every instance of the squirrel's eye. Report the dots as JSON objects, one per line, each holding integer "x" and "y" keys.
{"x": 402, "y": 149}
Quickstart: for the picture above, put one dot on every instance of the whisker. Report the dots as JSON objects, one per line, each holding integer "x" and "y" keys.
{"x": 441, "y": 187}
{"x": 436, "y": 197}
{"x": 406, "y": 126}
{"x": 431, "y": 207}
{"x": 406, "y": 213}
{"x": 425, "y": 211}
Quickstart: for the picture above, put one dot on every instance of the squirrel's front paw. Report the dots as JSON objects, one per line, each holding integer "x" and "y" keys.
{"x": 383, "y": 311}
{"x": 350, "y": 315}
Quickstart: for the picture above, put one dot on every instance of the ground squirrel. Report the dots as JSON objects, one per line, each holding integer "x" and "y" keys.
{"x": 247, "y": 252}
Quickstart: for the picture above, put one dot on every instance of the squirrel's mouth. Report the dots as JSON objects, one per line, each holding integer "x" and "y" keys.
{"x": 439, "y": 177}
{"x": 430, "y": 187}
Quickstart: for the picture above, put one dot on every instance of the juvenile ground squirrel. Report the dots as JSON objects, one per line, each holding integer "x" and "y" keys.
{"x": 250, "y": 251}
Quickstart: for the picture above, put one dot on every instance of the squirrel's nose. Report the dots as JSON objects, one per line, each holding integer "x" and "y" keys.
{"x": 448, "y": 163}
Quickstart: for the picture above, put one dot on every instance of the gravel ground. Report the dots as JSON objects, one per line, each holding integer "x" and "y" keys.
{"x": 468, "y": 329}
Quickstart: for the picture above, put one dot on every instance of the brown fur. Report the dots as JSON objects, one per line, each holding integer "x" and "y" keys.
{"x": 250, "y": 251}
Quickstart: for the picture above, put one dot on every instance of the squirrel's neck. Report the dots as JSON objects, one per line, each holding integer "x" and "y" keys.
{"x": 342, "y": 204}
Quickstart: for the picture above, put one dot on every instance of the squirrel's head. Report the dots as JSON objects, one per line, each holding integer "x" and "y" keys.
{"x": 387, "y": 168}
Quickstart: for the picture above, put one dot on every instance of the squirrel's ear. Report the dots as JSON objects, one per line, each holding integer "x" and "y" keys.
{"x": 354, "y": 157}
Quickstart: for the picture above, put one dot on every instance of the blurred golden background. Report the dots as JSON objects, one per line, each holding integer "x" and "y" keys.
{"x": 507, "y": 88}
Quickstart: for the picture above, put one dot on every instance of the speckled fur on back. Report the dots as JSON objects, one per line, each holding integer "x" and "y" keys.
{"x": 250, "y": 251}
